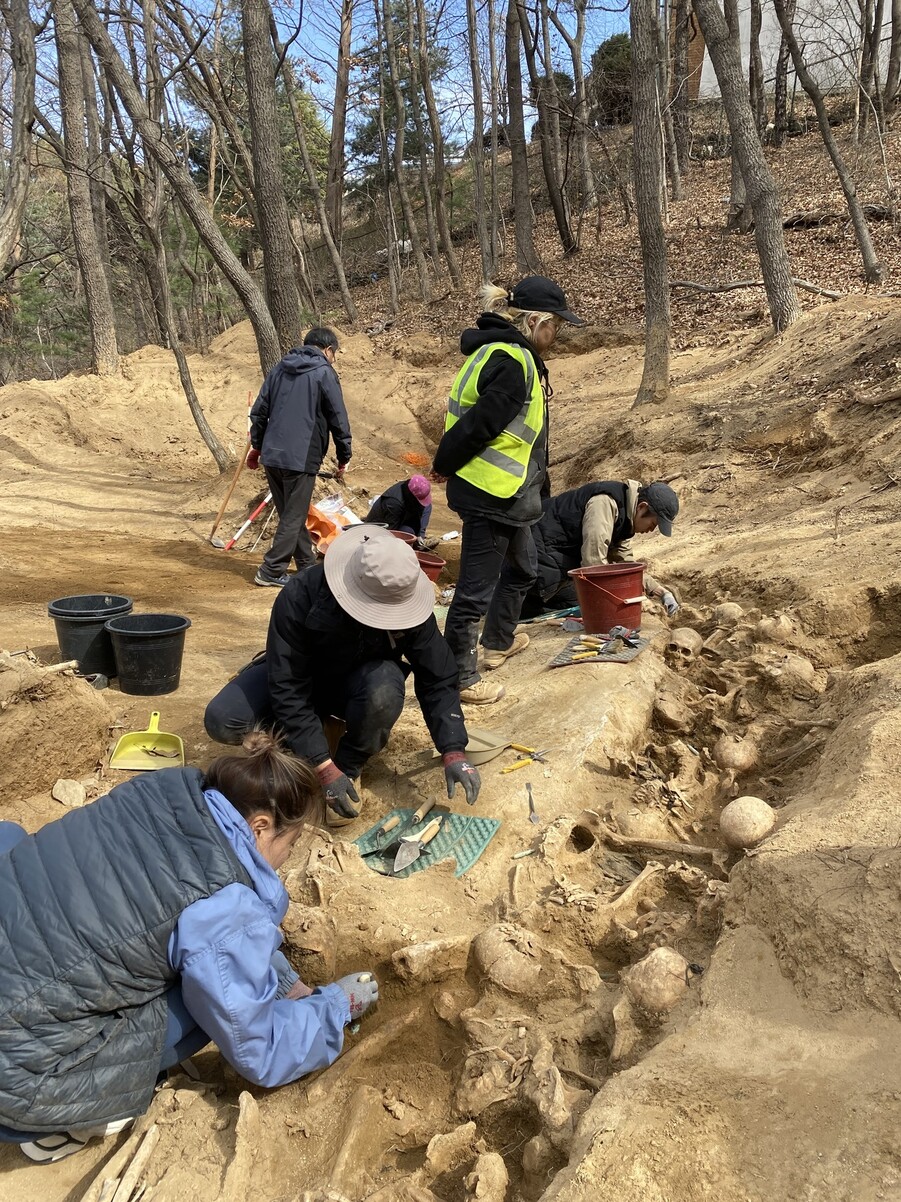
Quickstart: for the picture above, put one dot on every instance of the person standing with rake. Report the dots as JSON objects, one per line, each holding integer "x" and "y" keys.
{"x": 299, "y": 407}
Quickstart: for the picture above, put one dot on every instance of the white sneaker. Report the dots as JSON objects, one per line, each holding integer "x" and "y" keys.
{"x": 494, "y": 659}
{"x": 50, "y": 1148}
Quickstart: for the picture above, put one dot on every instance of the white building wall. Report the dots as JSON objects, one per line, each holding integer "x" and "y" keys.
{"x": 827, "y": 32}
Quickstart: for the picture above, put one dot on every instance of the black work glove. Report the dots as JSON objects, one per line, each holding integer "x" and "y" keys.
{"x": 339, "y": 790}
{"x": 459, "y": 771}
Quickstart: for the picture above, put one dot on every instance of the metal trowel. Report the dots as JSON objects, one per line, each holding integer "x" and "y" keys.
{"x": 412, "y": 846}
{"x": 393, "y": 823}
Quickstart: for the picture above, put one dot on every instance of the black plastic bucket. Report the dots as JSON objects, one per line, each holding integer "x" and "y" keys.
{"x": 80, "y": 629}
{"x": 148, "y": 649}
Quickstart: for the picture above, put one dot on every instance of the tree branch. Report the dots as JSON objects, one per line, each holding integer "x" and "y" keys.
{"x": 737, "y": 284}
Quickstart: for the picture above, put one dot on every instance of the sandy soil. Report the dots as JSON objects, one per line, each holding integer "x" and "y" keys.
{"x": 513, "y": 1062}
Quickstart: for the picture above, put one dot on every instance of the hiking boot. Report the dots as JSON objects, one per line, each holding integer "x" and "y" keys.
{"x": 266, "y": 581}
{"x": 493, "y": 659}
{"x": 483, "y": 692}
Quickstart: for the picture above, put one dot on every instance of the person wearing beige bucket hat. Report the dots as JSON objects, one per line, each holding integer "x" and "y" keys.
{"x": 343, "y": 637}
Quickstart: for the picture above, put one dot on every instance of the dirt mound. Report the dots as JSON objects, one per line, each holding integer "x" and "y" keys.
{"x": 52, "y": 724}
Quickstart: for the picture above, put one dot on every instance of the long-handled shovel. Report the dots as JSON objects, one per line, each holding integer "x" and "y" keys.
{"x": 217, "y": 542}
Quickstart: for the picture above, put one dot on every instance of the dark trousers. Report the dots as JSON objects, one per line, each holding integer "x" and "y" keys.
{"x": 498, "y": 566}
{"x": 563, "y": 598}
{"x": 292, "y": 493}
{"x": 369, "y": 700}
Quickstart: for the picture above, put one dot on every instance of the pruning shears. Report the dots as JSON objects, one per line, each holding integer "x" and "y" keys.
{"x": 532, "y": 754}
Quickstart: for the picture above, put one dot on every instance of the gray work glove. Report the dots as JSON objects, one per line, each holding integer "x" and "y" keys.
{"x": 362, "y": 991}
{"x": 339, "y": 790}
{"x": 459, "y": 771}
{"x": 669, "y": 603}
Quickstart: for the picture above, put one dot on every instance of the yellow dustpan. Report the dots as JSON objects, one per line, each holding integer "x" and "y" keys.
{"x": 150, "y": 748}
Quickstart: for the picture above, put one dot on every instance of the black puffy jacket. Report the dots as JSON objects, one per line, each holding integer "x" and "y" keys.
{"x": 558, "y": 536}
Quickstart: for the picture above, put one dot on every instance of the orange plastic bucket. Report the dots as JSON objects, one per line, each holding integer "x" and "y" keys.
{"x": 432, "y": 565}
{"x": 609, "y": 595}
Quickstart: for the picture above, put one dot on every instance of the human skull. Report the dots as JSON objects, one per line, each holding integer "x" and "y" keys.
{"x": 684, "y": 644}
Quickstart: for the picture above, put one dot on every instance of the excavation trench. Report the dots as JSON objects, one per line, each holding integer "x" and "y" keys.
{"x": 512, "y": 1003}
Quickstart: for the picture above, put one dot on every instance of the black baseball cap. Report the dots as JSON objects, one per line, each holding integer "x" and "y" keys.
{"x": 538, "y": 294}
{"x": 662, "y": 501}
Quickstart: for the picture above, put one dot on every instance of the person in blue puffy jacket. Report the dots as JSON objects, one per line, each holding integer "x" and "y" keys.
{"x": 139, "y": 928}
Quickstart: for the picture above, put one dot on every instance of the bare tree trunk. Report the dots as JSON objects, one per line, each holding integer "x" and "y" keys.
{"x": 157, "y": 145}
{"x": 872, "y": 268}
{"x": 576, "y": 49}
{"x": 780, "y": 113}
{"x": 425, "y": 73}
{"x": 555, "y": 192}
{"x": 478, "y": 141}
{"x": 871, "y": 33}
{"x": 681, "y": 125}
{"x": 528, "y": 260}
{"x": 664, "y": 108}
{"x": 647, "y": 168}
{"x": 550, "y": 92}
{"x": 334, "y": 186}
{"x": 425, "y": 180}
{"x": 202, "y": 79}
{"x": 494, "y": 70}
{"x": 96, "y": 168}
{"x": 756, "y": 82}
{"x": 151, "y": 217}
{"x": 310, "y": 172}
{"x": 893, "y": 74}
{"x": 101, "y": 317}
{"x": 214, "y": 127}
{"x": 725, "y": 54}
{"x": 740, "y": 215}
{"x": 24, "y": 63}
{"x": 265, "y": 143}
{"x": 387, "y": 31}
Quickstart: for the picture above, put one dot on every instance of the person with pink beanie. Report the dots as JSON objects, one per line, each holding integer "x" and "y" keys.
{"x": 405, "y": 506}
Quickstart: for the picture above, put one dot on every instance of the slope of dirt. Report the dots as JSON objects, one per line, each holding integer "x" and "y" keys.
{"x": 509, "y": 1057}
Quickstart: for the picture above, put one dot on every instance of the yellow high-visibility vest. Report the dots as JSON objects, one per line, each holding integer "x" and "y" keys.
{"x": 500, "y": 469}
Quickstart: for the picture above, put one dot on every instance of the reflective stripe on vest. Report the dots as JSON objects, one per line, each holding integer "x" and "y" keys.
{"x": 501, "y": 467}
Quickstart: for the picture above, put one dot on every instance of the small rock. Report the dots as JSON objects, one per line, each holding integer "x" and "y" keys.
{"x": 70, "y": 792}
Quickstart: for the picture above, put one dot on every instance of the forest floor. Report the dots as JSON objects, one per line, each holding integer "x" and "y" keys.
{"x": 506, "y": 1058}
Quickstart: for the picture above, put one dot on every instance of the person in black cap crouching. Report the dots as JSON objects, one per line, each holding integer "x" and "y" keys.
{"x": 593, "y": 525}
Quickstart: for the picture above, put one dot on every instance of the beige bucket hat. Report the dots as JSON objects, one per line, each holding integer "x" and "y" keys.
{"x": 377, "y": 579}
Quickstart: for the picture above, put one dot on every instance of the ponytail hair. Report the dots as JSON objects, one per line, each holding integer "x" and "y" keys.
{"x": 269, "y": 780}
{"x": 500, "y": 301}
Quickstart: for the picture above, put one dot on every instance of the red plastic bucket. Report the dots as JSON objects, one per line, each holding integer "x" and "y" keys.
{"x": 432, "y": 565}
{"x": 609, "y": 595}
{"x": 404, "y": 537}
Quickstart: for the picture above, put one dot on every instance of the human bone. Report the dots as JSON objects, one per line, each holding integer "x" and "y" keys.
{"x": 774, "y": 630}
{"x": 745, "y": 821}
{"x": 684, "y": 644}
{"x": 735, "y": 754}
{"x": 659, "y": 981}
{"x": 728, "y": 613}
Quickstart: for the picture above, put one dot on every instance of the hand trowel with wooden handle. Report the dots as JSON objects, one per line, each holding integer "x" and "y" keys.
{"x": 412, "y": 846}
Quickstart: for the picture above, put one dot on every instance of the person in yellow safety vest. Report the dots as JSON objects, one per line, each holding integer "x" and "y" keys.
{"x": 493, "y": 456}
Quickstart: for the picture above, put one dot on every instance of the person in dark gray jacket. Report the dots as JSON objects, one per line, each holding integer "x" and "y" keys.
{"x": 300, "y": 405}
